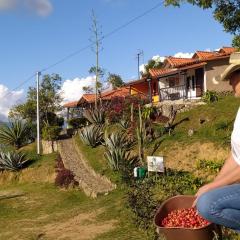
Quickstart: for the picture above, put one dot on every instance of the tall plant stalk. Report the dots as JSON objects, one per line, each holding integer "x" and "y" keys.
{"x": 141, "y": 133}
{"x": 96, "y": 39}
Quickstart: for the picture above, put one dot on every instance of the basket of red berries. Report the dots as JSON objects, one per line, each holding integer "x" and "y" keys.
{"x": 177, "y": 220}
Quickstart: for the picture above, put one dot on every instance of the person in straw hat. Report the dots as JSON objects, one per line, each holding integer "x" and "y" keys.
{"x": 219, "y": 201}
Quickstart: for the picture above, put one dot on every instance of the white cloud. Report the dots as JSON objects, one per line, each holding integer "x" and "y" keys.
{"x": 7, "y": 4}
{"x": 207, "y": 50}
{"x": 72, "y": 89}
{"x": 183, "y": 55}
{"x": 7, "y": 100}
{"x": 142, "y": 68}
{"x": 39, "y": 7}
{"x": 158, "y": 58}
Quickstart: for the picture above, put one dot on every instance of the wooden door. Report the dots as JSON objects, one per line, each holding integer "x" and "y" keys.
{"x": 199, "y": 75}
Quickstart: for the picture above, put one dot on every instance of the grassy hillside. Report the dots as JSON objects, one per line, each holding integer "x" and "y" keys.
{"x": 44, "y": 211}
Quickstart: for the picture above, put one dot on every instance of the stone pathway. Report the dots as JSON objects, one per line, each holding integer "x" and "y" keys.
{"x": 92, "y": 183}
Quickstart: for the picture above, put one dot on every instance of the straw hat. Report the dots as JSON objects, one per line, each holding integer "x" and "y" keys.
{"x": 234, "y": 66}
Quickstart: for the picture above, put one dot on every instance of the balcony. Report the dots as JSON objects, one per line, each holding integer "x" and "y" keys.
{"x": 173, "y": 93}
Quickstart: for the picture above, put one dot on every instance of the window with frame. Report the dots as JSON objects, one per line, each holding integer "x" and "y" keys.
{"x": 173, "y": 81}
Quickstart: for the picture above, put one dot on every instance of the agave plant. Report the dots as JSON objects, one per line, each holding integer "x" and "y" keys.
{"x": 13, "y": 161}
{"x": 118, "y": 140}
{"x": 117, "y": 150}
{"x": 91, "y": 135}
{"x": 125, "y": 124}
{"x": 95, "y": 116}
{"x": 14, "y": 134}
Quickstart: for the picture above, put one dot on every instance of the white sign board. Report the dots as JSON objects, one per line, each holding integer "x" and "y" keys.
{"x": 155, "y": 164}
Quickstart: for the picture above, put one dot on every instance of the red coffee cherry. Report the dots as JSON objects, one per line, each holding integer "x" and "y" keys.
{"x": 186, "y": 218}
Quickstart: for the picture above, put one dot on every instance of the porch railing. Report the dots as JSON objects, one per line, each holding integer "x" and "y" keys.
{"x": 173, "y": 93}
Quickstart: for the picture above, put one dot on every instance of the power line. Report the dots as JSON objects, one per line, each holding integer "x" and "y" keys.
{"x": 134, "y": 19}
{"x": 18, "y": 86}
{"x": 105, "y": 36}
{"x": 89, "y": 45}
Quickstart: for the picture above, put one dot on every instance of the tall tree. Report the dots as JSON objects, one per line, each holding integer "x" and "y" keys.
{"x": 97, "y": 47}
{"x": 227, "y": 12}
{"x": 100, "y": 72}
{"x": 152, "y": 63}
{"x": 49, "y": 101}
{"x": 115, "y": 80}
{"x": 87, "y": 89}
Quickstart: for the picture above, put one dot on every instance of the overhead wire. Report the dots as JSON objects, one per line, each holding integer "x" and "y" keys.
{"x": 89, "y": 45}
{"x": 105, "y": 36}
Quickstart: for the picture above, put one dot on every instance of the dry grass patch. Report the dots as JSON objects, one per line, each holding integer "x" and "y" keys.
{"x": 184, "y": 157}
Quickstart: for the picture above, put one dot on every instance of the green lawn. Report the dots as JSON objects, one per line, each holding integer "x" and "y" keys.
{"x": 47, "y": 212}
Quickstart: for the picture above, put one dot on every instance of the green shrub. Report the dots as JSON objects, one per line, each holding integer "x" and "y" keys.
{"x": 145, "y": 195}
{"x": 176, "y": 182}
{"x": 51, "y": 133}
{"x": 95, "y": 116}
{"x": 91, "y": 135}
{"x": 15, "y": 134}
{"x": 149, "y": 112}
{"x": 213, "y": 166}
{"x": 142, "y": 203}
{"x": 77, "y": 123}
{"x": 210, "y": 96}
{"x": 13, "y": 160}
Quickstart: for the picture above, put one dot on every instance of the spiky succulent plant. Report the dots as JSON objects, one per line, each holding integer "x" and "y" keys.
{"x": 12, "y": 160}
{"x": 117, "y": 149}
{"x": 91, "y": 135}
{"x": 95, "y": 116}
{"x": 14, "y": 134}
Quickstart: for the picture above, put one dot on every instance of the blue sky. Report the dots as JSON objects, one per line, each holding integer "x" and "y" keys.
{"x": 37, "y": 33}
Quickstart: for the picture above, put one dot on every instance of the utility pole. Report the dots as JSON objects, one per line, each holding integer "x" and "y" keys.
{"x": 38, "y": 115}
{"x": 139, "y": 54}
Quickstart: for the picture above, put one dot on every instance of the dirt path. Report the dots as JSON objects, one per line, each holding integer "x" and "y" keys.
{"x": 91, "y": 182}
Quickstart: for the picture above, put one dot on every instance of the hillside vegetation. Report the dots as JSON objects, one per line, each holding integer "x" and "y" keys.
{"x": 43, "y": 211}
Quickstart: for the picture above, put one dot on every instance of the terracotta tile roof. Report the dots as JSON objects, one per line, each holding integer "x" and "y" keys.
{"x": 204, "y": 54}
{"x": 71, "y": 104}
{"x": 227, "y": 50}
{"x": 88, "y": 97}
{"x": 157, "y": 72}
{"x": 177, "y": 62}
{"x": 133, "y": 82}
{"x": 193, "y": 66}
{"x": 119, "y": 92}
